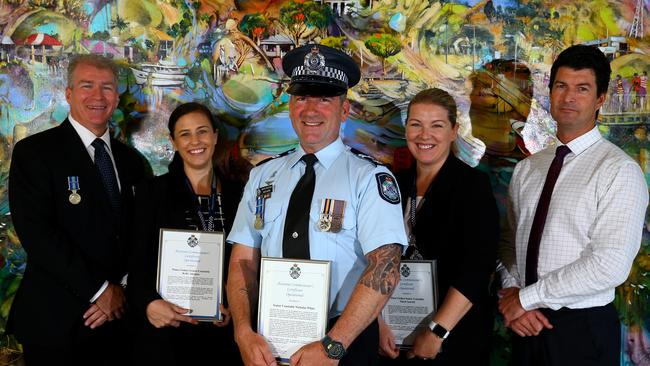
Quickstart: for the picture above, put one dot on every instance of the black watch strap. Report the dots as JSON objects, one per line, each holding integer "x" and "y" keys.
{"x": 334, "y": 349}
{"x": 439, "y": 330}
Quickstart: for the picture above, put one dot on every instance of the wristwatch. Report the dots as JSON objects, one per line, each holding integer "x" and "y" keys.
{"x": 334, "y": 349}
{"x": 439, "y": 330}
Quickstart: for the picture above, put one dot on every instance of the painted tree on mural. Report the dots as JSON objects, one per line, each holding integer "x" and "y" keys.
{"x": 299, "y": 19}
{"x": 255, "y": 25}
{"x": 383, "y": 45}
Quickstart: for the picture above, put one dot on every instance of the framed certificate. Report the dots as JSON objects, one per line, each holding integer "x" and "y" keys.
{"x": 293, "y": 304}
{"x": 190, "y": 271}
{"x": 413, "y": 302}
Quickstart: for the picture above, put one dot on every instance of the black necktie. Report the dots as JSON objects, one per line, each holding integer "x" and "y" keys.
{"x": 295, "y": 243}
{"x": 104, "y": 164}
{"x": 539, "y": 221}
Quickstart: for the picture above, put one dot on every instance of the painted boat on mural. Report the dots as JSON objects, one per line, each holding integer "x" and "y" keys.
{"x": 161, "y": 74}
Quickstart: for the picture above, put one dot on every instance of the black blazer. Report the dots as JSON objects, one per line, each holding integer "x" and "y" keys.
{"x": 71, "y": 249}
{"x": 162, "y": 202}
{"x": 458, "y": 225}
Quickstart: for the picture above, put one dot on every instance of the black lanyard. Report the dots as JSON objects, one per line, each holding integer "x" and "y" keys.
{"x": 209, "y": 225}
{"x": 412, "y": 212}
{"x": 412, "y": 251}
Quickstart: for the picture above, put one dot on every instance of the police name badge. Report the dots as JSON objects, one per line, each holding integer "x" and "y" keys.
{"x": 73, "y": 186}
{"x": 293, "y": 296}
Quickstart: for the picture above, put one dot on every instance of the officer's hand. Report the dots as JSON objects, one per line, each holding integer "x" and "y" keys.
{"x": 164, "y": 314}
{"x": 94, "y": 317}
{"x": 426, "y": 345}
{"x": 112, "y": 301}
{"x": 312, "y": 354}
{"x": 387, "y": 345}
{"x": 226, "y": 317}
{"x": 530, "y": 324}
{"x": 254, "y": 349}
{"x": 509, "y": 305}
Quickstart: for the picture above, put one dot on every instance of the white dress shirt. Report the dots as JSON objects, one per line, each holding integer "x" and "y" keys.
{"x": 593, "y": 228}
{"x": 87, "y": 137}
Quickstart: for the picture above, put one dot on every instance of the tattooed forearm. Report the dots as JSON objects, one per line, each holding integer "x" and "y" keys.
{"x": 382, "y": 273}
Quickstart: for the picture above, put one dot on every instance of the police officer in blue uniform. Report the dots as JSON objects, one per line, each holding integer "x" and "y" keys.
{"x": 322, "y": 202}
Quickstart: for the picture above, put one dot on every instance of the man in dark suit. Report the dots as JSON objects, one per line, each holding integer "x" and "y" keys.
{"x": 70, "y": 193}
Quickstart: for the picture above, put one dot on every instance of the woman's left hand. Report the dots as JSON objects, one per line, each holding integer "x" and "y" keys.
{"x": 426, "y": 346}
{"x": 226, "y": 317}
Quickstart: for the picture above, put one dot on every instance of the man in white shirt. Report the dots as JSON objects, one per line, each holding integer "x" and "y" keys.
{"x": 579, "y": 245}
{"x": 70, "y": 193}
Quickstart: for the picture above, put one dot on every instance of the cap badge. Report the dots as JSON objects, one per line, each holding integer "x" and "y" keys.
{"x": 314, "y": 61}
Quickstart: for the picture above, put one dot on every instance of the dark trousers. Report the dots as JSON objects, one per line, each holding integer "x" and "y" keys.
{"x": 364, "y": 350}
{"x": 106, "y": 345}
{"x": 585, "y": 337}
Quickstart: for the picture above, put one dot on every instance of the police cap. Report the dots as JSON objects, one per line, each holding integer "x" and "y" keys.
{"x": 318, "y": 70}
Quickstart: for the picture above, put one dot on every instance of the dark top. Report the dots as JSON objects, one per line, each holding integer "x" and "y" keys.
{"x": 71, "y": 248}
{"x": 458, "y": 225}
{"x": 167, "y": 202}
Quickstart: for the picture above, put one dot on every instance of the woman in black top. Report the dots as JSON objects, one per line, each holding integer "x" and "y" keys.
{"x": 451, "y": 216}
{"x": 193, "y": 195}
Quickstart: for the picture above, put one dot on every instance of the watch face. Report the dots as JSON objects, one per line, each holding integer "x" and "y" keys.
{"x": 335, "y": 350}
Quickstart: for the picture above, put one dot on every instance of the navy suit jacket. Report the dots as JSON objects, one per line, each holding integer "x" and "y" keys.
{"x": 71, "y": 249}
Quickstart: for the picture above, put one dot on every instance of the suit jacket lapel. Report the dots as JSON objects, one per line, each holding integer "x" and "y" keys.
{"x": 77, "y": 157}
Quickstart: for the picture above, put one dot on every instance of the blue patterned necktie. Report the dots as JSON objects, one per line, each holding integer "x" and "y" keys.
{"x": 104, "y": 164}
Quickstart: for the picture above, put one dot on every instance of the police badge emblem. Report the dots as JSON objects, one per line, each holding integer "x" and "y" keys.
{"x": 405, "y": 271}
{"x": 314, "y": 61}
{"x": 387, "y": 188}
{"x": 192, "y": 241}
{"x": 294, "y": 272}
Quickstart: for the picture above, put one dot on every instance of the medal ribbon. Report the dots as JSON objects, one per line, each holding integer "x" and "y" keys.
{"x": 73, "y": 183}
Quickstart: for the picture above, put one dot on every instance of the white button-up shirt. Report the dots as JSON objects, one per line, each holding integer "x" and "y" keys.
{"x": 593, "y": 228}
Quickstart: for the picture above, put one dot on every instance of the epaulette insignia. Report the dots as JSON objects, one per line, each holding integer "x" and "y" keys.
{"x": 276, "y": 156}
{"x": 364, "y": 156}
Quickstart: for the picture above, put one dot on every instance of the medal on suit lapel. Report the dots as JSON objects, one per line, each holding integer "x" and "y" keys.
{"x": 73, "y": 186}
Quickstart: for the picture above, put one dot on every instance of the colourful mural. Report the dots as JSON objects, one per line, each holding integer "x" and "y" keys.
{"x": 494, "y": 56}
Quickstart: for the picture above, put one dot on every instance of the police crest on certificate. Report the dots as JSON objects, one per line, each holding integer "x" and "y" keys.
{"x": 414, "y": 301}
{"x": 190, "y": 271}
{"x": 294, "y": 304}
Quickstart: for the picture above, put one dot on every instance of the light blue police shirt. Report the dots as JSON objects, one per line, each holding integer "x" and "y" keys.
{"x": 372, "y": 215}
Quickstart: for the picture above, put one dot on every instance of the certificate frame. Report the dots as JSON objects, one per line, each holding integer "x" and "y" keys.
{"x": 403, "y": 297}
{"x": 273, "y": 300}
{"x": 201, "y": 258}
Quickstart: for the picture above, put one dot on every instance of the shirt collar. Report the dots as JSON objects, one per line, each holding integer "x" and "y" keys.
{"x": 326, "y": 155}
{"x": 87, "y": 137}
{"x": 583, "y": 142}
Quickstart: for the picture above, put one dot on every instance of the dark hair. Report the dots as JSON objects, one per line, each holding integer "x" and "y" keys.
{"x": 580, "y": 57}
{"x": 98, "y": 61}
{"x": 437, "y": 97}
{"x": 187, "y": 108}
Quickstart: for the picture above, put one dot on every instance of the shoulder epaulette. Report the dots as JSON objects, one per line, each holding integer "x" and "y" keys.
{"x": 364, "y": 156}
{"x": 276, "y": 156}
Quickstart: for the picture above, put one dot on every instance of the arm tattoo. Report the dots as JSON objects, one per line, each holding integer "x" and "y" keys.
{"x": 382, "y": 273}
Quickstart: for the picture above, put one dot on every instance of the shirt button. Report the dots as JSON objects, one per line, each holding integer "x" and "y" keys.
{"x": 294, "y": 235}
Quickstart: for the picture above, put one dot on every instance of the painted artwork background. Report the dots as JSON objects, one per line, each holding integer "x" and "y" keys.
{"x": 494, "y": 57}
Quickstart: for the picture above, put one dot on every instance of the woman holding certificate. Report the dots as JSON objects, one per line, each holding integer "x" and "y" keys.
{"x": 193, "y": 197}
{"x": 451, "y": 217}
